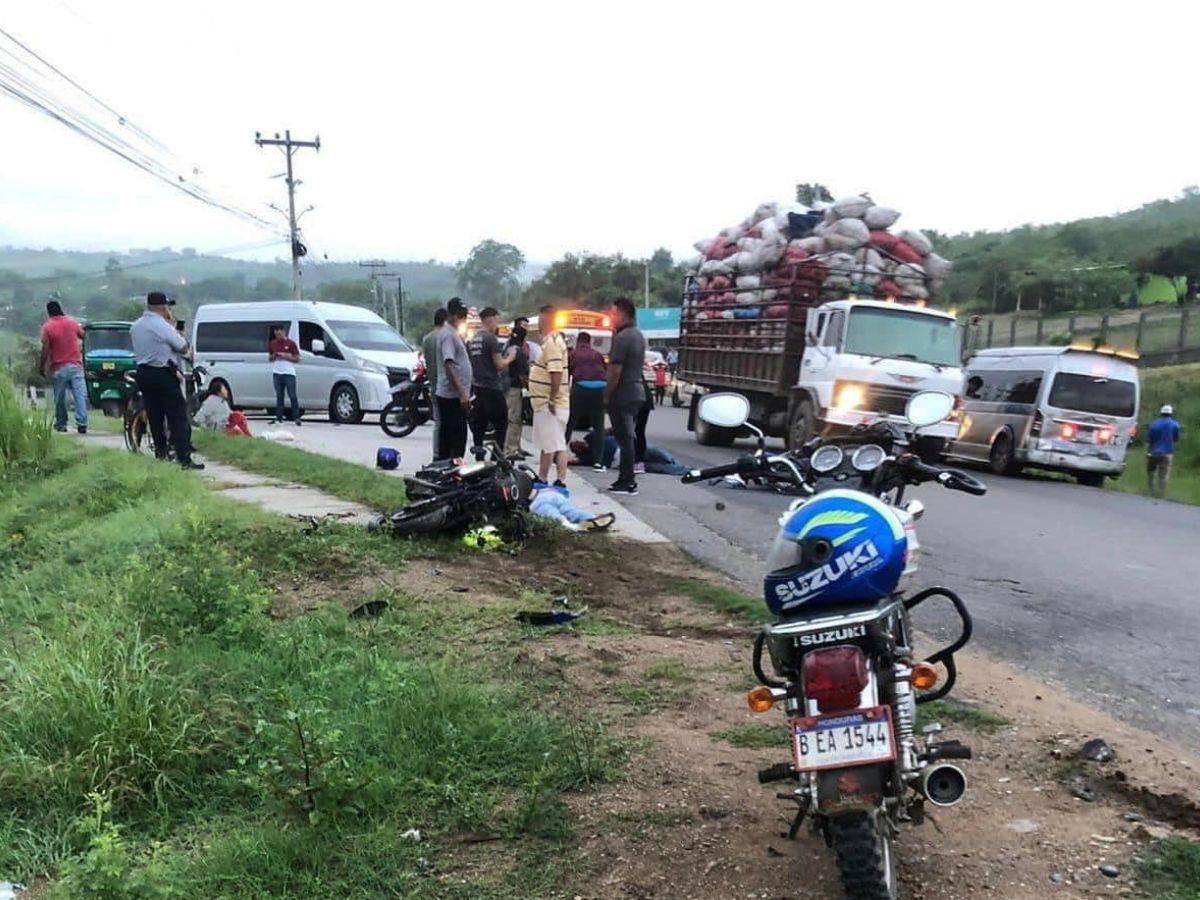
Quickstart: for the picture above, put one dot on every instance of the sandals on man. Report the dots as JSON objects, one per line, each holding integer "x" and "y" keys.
{"x": 601, "y": 522}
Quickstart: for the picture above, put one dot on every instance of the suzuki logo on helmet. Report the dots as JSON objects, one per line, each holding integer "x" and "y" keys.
{"x": 854, "y": 561}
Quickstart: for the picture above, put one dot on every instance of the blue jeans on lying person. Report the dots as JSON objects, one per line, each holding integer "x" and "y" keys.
{"x": 553, "y": 505}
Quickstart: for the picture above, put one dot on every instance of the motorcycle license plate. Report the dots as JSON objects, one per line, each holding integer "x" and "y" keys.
{"x": 858, "y": 738}
{"x": 108, "y": 367}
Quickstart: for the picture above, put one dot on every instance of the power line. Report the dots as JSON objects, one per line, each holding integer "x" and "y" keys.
{"x": 290, "y": 147}
{"x": 38, "y": 97}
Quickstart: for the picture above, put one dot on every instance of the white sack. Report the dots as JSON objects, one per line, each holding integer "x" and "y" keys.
{"x": 848, "y": 234}
{"x": 917, "y": 241}
{"x": 851, "y": 207}
{"x": 881, "y": 218}
{"x": 937, "y": 266}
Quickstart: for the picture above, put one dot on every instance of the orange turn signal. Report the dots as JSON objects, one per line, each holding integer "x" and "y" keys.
{"x": 924, "y": 676}
{"x": 760, "y": 699}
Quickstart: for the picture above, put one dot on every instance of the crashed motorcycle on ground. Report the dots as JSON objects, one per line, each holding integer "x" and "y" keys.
{"x": 451, "y": 495}
{"x": 841, "y": 644}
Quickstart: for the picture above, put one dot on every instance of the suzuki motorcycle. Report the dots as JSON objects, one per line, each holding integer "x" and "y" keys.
{"x": 411, "y": 405}
{"x": 452, "y": 495}
{"x": 841, "y": 644}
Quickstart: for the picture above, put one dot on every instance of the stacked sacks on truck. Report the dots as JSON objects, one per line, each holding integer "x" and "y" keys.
{"x": 833, "y": 250}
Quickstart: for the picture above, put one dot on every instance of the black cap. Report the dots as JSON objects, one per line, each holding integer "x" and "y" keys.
{"x": 158, "y": 298}
{"x": 456, "y": 307}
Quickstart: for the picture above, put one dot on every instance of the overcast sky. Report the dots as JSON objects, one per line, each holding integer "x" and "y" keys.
{"x": 614, "y": 126}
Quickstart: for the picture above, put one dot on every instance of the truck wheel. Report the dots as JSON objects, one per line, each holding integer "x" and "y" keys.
{"x": 1090, "y": 479}
{"x": 803, "y": 425}
{"x": 1002, "y": 458}
{"x": 712, "y": 436}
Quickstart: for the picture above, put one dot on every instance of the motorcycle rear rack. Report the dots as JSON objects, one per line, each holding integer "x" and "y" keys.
{"x": 945, "y": 656}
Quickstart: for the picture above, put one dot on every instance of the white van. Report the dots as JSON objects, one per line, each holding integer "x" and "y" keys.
{"x": 349, "y": 357}
{"x": 1069, "y": 409}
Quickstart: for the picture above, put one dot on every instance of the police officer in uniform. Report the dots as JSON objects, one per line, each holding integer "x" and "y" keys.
{"x": 155, "y": 345}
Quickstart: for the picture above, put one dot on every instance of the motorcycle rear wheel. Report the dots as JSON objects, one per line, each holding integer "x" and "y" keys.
{"x": 865, "y": 857}
{"x": 421, "y": 520}
{"x": 397, "y": 419}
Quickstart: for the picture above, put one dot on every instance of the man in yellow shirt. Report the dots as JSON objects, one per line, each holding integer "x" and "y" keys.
{"x": 549, "y": 398}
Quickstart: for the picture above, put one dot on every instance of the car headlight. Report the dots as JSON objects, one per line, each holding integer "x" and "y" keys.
{"x": 373, "y": 367}
{"x": 849, "y": 395}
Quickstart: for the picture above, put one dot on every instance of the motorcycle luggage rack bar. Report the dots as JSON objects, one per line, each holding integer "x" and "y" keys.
{"x": 944, "y": 656}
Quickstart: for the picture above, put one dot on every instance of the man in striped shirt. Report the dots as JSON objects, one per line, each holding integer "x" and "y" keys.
{"x": 548, "y": 396}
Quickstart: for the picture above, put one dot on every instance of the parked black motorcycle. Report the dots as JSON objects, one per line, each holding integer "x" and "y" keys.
{"x": 411, "y": 406}
{"x": 841, "y": 643}
{"x": 453, "y": 495}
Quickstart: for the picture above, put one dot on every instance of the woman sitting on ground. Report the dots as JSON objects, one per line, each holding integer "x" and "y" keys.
{"x": 215, "y": 412}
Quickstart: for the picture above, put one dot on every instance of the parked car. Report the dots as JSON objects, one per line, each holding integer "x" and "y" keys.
{"x": 1067, "y": 409}
{"x": 350, "y": 358}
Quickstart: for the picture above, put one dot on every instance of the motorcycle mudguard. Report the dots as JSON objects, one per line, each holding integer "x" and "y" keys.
{"x": 855, "y": 787}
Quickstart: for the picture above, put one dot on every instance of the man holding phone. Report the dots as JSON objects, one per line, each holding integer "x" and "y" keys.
{"x": 284, "y": 354}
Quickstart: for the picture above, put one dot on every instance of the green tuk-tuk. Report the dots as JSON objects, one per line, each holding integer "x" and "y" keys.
{"x": 107, "y": 356}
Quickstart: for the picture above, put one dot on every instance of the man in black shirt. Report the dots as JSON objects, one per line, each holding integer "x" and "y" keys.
{"x": 625, "y": 393}
{"x": 488, "y": 361}
{"x": 518, "y": 380}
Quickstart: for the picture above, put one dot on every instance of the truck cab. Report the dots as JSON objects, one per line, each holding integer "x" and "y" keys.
{"x": 866, "y": 358}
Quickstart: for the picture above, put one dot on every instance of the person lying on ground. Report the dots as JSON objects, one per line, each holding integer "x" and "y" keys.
{"x": 552, "y": 504}
{"x": 215, "y": 412}
{"x": 658, "y": 461}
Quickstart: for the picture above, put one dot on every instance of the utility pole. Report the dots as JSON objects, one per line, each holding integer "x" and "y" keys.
{"x": 289, "y": 146}
{"x": 647, "y": 287}
{"x": 400, "y": 304}
{"x": 375, "y": 265}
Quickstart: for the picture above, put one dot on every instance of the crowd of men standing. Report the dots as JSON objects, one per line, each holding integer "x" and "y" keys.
{"x": 478, "y": 386}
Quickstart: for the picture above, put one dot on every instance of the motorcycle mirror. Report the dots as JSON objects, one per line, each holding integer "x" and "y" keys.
{"x": 928, "y": 408}
{"x": 915, "y": 508}
{"x": 724, "y": 410}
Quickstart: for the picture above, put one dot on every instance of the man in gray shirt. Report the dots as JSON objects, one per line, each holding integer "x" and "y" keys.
{"x": 453, "y": 395}
{"x": 625, "y": 393}
{"x": 155, "y": 345}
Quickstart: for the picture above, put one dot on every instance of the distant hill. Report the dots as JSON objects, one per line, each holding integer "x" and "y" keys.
{"x": 1068, "y": 265}
{"x": 169, "y": 266}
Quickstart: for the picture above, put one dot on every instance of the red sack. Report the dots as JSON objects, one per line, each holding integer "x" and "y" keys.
{"x": 887, "y": 288}
{"x": 779, "y": 277}
{"x": 754, "y": 232}
{"x": 720, "y": 283}
{"x": 776, "y": 311}
{"x": 794, "y": 255}
{"x": 813, "y": 270}
{"x": 884, "y": 240}
{"x": 720, "y": 248}
{"x": 904, "y": 252}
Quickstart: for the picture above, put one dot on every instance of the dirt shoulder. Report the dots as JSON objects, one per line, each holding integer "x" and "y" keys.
{"x": 689, "y": 819}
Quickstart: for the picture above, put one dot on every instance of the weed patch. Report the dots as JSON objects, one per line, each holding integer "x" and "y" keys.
{"x": 747, "y": 609}
{"x": 754, "y": 736}
{"x": 954, "y": 713}
{"x": 1173, "y": 870}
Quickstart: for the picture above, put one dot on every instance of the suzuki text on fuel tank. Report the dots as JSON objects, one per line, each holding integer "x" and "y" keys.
{"x": 843, "y": 667}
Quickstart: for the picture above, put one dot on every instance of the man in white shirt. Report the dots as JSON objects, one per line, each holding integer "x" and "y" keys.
{"x": 155, "y": 345}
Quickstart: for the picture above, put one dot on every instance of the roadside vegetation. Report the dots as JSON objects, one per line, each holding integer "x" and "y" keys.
{"x": 1173, "y": 871}
{"x": 1179, "y": 386}
{"x": 334, "y": 476}
{"x": 182, "y": 716}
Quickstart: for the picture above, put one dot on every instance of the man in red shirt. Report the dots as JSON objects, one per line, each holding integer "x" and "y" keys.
{"x": 62, "y": 363}
{"x": 284, "y": 354}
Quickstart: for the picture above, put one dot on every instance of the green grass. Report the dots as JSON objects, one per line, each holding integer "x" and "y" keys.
{"x": 1173, "y": 871}
{"x": 161, "y": 736}
{"x": 951, "y": 712}
{"x": 743, "y": 607}
{"x": 754, "y": 736}
{"x": 342, "y": 479}
{"x": 25, "y": 434}
{"x": 1179, "y": 386}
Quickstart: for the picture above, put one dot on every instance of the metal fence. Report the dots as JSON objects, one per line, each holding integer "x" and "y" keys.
{"x": 1161, "y": 335}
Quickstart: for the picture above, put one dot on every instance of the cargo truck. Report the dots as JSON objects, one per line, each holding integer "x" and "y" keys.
{"x": 815, "y": 363}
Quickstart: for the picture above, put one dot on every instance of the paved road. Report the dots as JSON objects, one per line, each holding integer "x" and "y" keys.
{"x": 1095, "y": 590}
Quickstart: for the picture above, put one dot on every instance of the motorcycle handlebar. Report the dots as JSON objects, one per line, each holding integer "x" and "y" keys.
{"x": 743, "y": 464}
{"x": 954, "y": 479}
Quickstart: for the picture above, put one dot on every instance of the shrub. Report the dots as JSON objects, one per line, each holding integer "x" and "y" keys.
{"x": 25, "y": 434}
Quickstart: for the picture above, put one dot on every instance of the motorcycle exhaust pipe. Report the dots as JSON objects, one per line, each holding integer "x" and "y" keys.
{"x": 942, "y": 785}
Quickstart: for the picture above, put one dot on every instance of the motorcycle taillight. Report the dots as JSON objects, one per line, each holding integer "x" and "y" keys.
{"x": 834, "y": 678}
